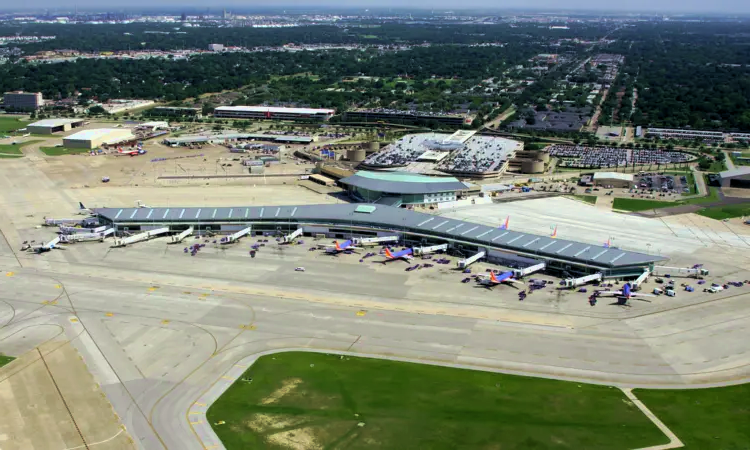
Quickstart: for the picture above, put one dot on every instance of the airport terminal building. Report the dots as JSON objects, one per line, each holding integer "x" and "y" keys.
{"x": 402, "y": 188}
{"x": 344, "y": 221}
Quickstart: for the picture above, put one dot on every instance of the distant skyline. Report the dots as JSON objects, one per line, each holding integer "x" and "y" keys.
{"x": 727, "y": 7}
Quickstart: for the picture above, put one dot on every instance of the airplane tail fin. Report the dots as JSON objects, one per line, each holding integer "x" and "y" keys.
{"x": 388, "y": 253}
{"x": 493, "y": 277}
{"x": 337, "y": 245}
{"x": 506, "y": 226}
{"x": 80, "y": 205}
{"x": 607, "y": 244}
{"x": 554, "y": 233}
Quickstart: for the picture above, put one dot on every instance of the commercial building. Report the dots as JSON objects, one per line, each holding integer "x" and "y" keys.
{"x": 174, "y": 111}
{"x": 49, "y": 126}
{"x": 345, "y": 220}
{"x": 737, "y": 178}
{"x": 119, "y": 106}
{"x": 614, "y": 179}
{"x": 22, "y": 101}
{"x": 674, "y": 133}
{"x": 273, "y": 113}
{"x": 225, "y": 137}
{"x": 216, "y": 47}
{"x": 94, "y": 138}
{"x": 402, "y": 188}
{"x": 409, "y": 117}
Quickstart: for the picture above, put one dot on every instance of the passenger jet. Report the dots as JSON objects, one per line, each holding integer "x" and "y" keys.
{"x": 404, "y": 255}
{"x": 505, "y": 277}
{"x": 83, "y": 211}
{"x": 339, "y": 248}
{"x": 627, "y": 292}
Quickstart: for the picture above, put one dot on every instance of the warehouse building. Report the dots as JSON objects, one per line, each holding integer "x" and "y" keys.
{"x": 50, "y": 126}
{"x": 402, "y": 188}
{"x": 346, "y": 220}
{"x": 737, "y": 178}
{"x": 614, "y": 179}
{"x": 273, "y": 113}
{"x": 94, "y": 138}
{"x": 22, "y": 101}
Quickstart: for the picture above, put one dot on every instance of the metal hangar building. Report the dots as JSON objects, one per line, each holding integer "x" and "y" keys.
{"x": 343, "y": 221}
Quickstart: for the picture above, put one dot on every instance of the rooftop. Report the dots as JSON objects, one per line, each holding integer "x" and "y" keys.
{"x": 393, "y": 218}
{"x": 275, "y": 109}
{"x": 613, "y": 176}
{"x": 99, "y": 133}
{"x": 53, "y": 122}
{"x": 739, "y": 171}
{"x": 403, "y": 183}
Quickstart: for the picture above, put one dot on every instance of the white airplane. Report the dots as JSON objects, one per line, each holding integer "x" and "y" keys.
{"x": 141, "y": 204}
{"x": 505, "y": 277}
{"x": 626, "y": 292}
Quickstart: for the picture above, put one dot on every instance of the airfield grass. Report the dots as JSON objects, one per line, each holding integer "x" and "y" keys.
{"x": 59, "y": 151}
{"x": 5, "y": 360}
{"x": 726, "y": 211}
{"x": 8, "y": 124}
{"x": 330, "y": 401}
{"x": 586, "y": 198}
{"x": 704, "y": 419}
{"x": 636, "y": 204}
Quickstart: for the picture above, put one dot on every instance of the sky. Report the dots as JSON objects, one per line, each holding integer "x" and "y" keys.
{"x": 675, "y": 6}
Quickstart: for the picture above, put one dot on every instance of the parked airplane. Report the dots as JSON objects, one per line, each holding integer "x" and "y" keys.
{"x": 82, "y": 210}
{"x": 339, "y": 248}
{"x": 554, "y": 233}
{"x": 404, "y": 255}
{"x": 505, "y": 277}
{"x": 131, "y": 152}
{"x": 506, "y": 225}
{"x": 627, "y": 292}
{"x": 141, "y": 204}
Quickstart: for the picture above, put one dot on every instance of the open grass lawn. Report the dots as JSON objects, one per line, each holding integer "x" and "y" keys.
{"x": 636, "y": 204}
{"x": 15, "y": 149}
{"x": 328, "y": 401}
{"x": 704, "y": 419}
{"x": 5, "y": 360}
{"x": 11, "y": 123}
{"x": 58, "y": 151}
{"x": 586, "y": 198}
{"x": 726, "y": 212}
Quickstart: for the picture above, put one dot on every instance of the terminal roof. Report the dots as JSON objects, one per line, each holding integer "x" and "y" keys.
{"x": 392, "y": 218}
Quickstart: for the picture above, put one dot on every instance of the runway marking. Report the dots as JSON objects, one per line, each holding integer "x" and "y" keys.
{"x": 195, "y": 412}
{"x": 49, "y": 302}
{"x": 73, "y": 319}
{"x": 153, "y": 288}
{"x": 58, "y": 286}
{"x": 164, "y": 322}
{"x": 361, "y": 313}
{"x": 108, "y": 314}
{"x": 199, "y": 404}
{"x": 240, "y": 366}
{"x": 9, "y": 274}
{"x": 197, "y": 422}
{"x": 247, "y": 327}
{"x": 226, "y": 377}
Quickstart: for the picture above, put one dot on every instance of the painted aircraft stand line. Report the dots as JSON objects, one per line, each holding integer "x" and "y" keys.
{"x": 146, "y": 235}
{"x": 236, "y": 236}
{"x": 176, "y": 239}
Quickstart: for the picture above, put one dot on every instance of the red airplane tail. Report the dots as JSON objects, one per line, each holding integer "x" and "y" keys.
{"x": 493, "y": 277}
{"x": 388, "y": 254}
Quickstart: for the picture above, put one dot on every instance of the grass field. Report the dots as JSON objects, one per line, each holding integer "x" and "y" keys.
{"x": 10, "y": 149}
{"x": 5, "y": 360}
{"x": 726, "y": 212}
{"x": 59, "y": 151}
{"x": 636, "y": 204}
{"x": 704, "y": 419}
{"x": 311, "y": 400}
{"x": 8, "y": 124}
{"x": 586, "y": 198}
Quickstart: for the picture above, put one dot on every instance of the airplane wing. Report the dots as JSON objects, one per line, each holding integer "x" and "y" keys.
{"x": 514, "y": 281}
{"x": 608, "y": 292}
{"x": 642, "y": 295}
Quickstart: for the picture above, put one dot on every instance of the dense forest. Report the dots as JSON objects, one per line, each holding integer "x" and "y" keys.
{"x": 688, "y": 74}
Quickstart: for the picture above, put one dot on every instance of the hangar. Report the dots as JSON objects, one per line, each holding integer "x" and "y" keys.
{"x": 737, "y": 178}
{"x": 347, "y": 220}
{"x": 614, "y": 179}
{"x": 402, "y": 188}
{"x": 49, "y": 126}
{"x": 93, "y": 138}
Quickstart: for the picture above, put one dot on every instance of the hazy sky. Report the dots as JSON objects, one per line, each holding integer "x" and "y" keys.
{"x": 716, "y": 6}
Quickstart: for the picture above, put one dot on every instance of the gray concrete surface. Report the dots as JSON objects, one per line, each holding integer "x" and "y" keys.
{"x": 157, "y": 327}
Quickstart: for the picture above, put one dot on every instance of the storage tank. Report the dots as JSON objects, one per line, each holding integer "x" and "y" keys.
{"x": 544, "y": 157}
{"x": 532, "y": 166}
{"x": 374, "y": 147}
{"x": 356, "y": 154}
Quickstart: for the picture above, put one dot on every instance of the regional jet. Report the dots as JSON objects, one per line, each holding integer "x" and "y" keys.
{"x": 83, "y": 211}
{"x": 505, "y": 277}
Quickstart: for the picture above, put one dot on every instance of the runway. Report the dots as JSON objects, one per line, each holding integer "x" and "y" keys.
{"x": 157, "y": 328}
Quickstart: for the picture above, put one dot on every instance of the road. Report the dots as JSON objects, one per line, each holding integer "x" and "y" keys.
{"x": 157, "y": 328}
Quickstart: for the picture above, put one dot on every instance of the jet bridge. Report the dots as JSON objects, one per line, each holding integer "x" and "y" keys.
{"x": 236, "y": 236}
{"x": 464, "y": 263}
{"x": 686, "y": 271}
{"x": 86, "y": 237}
{"x": 644, "y": 276}
{"x": 176, "y": 239}
{"x": 146, "y": 235}
{"x": 291, "y": 236}
{"x": 518, "y": 273}
{"x": 419, "y": 251}
{"x": 574, "y": 282}
{"x": 374, "y": 240}
{"x": 81, "y": 230}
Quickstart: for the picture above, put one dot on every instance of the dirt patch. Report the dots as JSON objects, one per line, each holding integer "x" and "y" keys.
{"x": 287, "y": 387}
{"x": 298, "y": 439}
{"x": 262, "y": 423}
